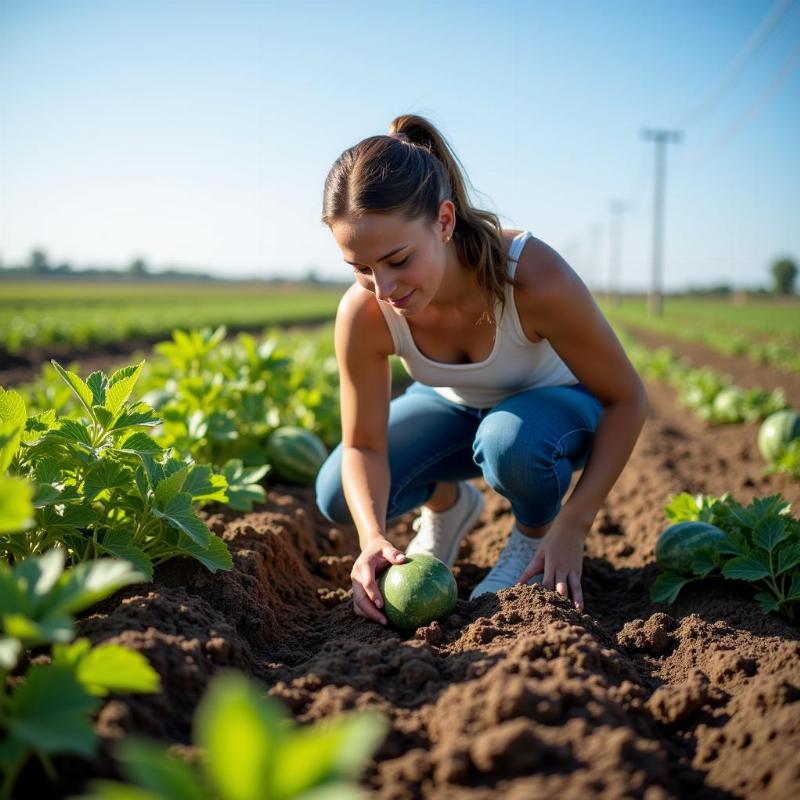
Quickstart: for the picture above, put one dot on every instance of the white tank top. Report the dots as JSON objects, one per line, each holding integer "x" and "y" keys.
{"x": 514, "y": 365}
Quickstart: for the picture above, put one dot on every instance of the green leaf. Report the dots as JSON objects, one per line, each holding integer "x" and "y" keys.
{"x": 333, "y": 749}
{"x": 90, "y": 581}
{"x": 38, "y": 424}
{"x": 139, "y": 444}
{"x": 52, "y": 627}
{"x": 335, "y": 791}
{"x": 112, "y": 668}
{"x": 667, "y": 586}
{"x": 12, "y": 409}
{"x": 121, "y": 389}
{"x": 682, "y": 507}
{"x": 767, "y": 602}
{"x": 242, "y": 497}
{"x": 13, "y": 598}
{"x": 703, "y": 562}
{"x": 203, "y": 485}
{"x": 747, "y": 568}
{"x": 178, "y": 512}
{"x": 126, "y": 372}
{"x": 788, "y": 556}
{"x": 103, "y": 416}
{"x": 172, "y": 485}
{"x": 37, "y": 576}
{"x": 769, "y": 532}
{"x": 72, "y": 431}
{"x": 106, "y": 475}
{"x": 240, "y": 731}
{"x": 168, "y": 777}
{"x": 80, "y": 389}
{"x": 98, "y": 384}
{"x": 215, "y": 557}
{"x": 136, "y": 415}
{"x": 794, "y": 588}
{"x": 16, "y": 505}
{"x": 108, "y": 790}
{"x": 119, "y": 544}
{"x": 74, "y": 516}
{"x": 243, "y": 489}
{"x": 50, "y": 711}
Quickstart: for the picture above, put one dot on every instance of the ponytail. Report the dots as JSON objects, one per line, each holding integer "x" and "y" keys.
{"x": 412, "y": 171}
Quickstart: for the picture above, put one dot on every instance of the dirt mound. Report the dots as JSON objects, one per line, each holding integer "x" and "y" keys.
{"x": 515, "y": 695}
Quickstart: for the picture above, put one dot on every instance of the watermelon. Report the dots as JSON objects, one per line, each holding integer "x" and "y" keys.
{"x": 776, "y": 431}
{"x": 678, "y": 544}
{"x": 418, "y": 591}
{"x": 295, "y": 454}
{"x": 729, "y": 405}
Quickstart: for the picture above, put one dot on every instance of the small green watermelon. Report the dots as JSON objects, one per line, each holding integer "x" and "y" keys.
{"x": 678, "y": 544}
{"x": 418, "y": 591}
{"x": 776, "y": 431}
{"x": 295, "y": 454}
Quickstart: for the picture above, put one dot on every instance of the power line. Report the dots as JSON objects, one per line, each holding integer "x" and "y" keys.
{"x": 751, "y": 45}
{"x": 752, "y": 111}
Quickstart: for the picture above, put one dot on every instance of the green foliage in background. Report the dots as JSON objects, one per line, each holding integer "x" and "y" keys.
{"x": 251, "y": 751}
{"x": 763, "y": 333}
{"x": 78, "y": 314}
{"x": 713, "y": 397}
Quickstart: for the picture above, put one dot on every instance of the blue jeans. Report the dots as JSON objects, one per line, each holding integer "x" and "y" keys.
{"x": 526, "y": 448}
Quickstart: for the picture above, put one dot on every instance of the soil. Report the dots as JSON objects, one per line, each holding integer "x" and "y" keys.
{"x": 515, "y": 695}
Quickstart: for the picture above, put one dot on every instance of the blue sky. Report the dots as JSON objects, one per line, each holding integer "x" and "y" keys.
{"x": 198, "y": 134}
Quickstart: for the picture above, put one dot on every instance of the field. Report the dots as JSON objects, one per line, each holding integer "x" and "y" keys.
{"x": 71, "y": 316}
{"x": 512, "y": 696}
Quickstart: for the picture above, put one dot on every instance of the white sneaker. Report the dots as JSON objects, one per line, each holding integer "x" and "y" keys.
{"x": 440, "y": 534}
{"x": 516, "y": 555}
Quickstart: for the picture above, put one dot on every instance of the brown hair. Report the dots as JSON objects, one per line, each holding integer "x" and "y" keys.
{"x": 411, "y": 171}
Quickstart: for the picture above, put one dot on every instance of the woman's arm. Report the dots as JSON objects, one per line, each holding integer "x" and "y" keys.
{"x": 554, "y": 304}
{"x": 363, "y": 345}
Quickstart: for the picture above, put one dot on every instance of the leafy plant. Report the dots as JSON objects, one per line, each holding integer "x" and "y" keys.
{"x": 761, "y": 547}
{"x": 788, "y": 460}
{"x": 230, "y": 395}
{"x": 252, "y": 750}
{"x": 48, "y": 712}
{"x": 102, "y": 485}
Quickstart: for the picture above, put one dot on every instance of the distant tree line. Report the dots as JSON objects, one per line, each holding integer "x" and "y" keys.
{"x": 39, "y": 266}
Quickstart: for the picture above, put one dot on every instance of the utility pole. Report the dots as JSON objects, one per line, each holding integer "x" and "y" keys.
{"x": 596, "y": 257}
{"x": 615, "y": 251}
{"x": 661, "y": 138}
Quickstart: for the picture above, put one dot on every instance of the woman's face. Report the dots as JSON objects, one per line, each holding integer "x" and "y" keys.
{"x": 401, "y": 262}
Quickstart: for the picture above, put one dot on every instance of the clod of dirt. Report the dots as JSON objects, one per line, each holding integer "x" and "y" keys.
{"x": 675, "y": 704}
{"x": 651, "y": 636}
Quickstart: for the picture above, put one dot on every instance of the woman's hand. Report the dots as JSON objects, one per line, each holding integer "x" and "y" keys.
{"x": 378, "y": 554}
{"x": 560, "y": 557}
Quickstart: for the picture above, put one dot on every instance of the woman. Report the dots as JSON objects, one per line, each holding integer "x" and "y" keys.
{"x": 518, "y": 377}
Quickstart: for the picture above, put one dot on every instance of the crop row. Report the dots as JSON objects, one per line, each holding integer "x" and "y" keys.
{"x": 781, "y": 351}
{"x": 715, "y": 399}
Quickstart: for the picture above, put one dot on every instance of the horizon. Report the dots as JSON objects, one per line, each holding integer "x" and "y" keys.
{"x": 204, "y": 146}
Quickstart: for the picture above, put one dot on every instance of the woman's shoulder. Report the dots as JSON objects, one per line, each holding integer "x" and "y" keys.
{"x": 359, "y": 316}
{"x": 544, "y": 283}
{"x": 540, "y": 268}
